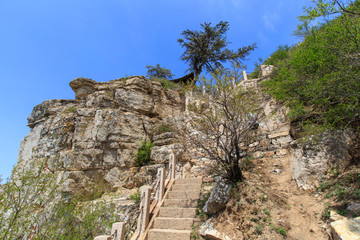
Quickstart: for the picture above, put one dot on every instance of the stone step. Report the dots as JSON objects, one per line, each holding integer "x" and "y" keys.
{"x": 173, "y": 223}
{"x": 191, "y": 181}
{"x": 191, "y": 194}
{"x": 186, "y": 187}
{"x": 183, "y": 203}
{"x": 168, "y": 234}
{"x": 177, "y": 212}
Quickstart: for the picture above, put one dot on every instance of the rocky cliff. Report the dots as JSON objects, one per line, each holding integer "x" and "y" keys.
{"x": 95, "y": 137}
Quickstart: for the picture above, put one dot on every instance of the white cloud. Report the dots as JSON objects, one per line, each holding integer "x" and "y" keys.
{"x": 236, "y": 3}
{"x": 225, "y": 4}
{"x": 270, "y": 21}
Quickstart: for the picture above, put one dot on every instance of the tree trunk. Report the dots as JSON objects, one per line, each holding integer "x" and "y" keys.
{"x": 235, "y": 173}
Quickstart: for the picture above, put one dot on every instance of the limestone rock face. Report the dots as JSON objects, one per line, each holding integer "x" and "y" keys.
{"x": 310, "y": 161}
{"x": 95, "y": 137}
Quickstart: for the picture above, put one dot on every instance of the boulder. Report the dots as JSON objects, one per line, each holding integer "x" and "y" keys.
{"x": 208, "y": 231}
{"x": 218, "y": 198}
{"x": 346, "y": 229}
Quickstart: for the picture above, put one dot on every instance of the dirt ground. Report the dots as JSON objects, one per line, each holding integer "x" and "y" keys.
{"x": 269, "y": 205}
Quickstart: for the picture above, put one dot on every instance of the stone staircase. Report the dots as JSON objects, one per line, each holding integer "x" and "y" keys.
{"x": 176, "y": 215}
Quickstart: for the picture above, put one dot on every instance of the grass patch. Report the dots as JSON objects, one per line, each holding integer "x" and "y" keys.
{"x": 280, "y": 230}
{"x": 341, "y": 189}
{"x": 166, "y": 84}
{"x": 70, "y": 110}
{"x": 163, "y": 128}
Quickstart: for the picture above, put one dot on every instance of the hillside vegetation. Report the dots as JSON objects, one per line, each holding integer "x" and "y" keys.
{"x": 319, "y": 78}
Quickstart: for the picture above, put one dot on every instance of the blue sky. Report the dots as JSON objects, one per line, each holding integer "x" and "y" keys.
{"x": 44, "y": 44}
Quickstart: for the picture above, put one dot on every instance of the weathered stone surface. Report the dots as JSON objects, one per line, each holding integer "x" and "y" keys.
{"x": 134, "y": 100}
{"x": 82, "y": 87}
{"x": 280, "y": 134}
{"x": 346, "y": 229}
{"x": 208, "y": 231}
{"x": 310, "y": 161}
{"x": 354, "y": 207}
{"x": 334, "y": 216}
{"x": 258, "y": 154}
{"x": 95, "y": 137}
{"x": 265, "y": 70}
{"x": 218, "y": 198}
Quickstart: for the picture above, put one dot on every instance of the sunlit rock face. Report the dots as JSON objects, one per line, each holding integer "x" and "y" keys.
{"x": 94, "y": 138}
{"x": 310, "y": 161}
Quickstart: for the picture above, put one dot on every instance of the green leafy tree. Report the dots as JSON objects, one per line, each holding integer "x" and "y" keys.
{"x": 323, "y": 11}
{"x": 158, "y": 72}
{"x": 31, "y": 207}
{"x": 319, "y": 78}
{"x": 208, "y": 50}
{"x": 222, "y": 122}
{"x": 24, "y": 198}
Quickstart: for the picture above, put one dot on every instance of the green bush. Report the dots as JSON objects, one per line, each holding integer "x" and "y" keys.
{"x": 256, "y": 71}
{"x": 33, "y": 200}
{"x": 280, "y": 230}
{"x": 70, "y": 110}
{"x": 281, "y": 53}
{"x": 143, "y": 153}
{"x": 136, "y": 197}
{"x": 166, "y": 84}
{"x": 72, "y": 219}
{"x": 163, "y": 128}
{"x": 319, "y": 79}
{"x": 342, "y": 187}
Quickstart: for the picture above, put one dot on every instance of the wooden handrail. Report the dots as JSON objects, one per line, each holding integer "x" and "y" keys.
{"x": 156, "y": 210}
{"x": 150, "y": 210}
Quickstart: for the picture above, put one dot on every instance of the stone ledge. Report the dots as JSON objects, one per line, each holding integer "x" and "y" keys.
{"x": 346, "y": 229}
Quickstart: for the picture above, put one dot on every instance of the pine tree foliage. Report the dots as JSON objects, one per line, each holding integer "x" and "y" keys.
{"x": 207, "y": 49}
{"x": 158, "y": 72}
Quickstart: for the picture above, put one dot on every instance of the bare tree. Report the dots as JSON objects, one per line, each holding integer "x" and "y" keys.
{"x": 222, "y": 121}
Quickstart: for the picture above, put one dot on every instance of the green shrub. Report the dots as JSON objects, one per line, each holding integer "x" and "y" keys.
{"x": 281, "y": 53}
{"x": 136, "y": 197}
{"x": 280, "y": 230}
{"x": 166, "y": 84}
{"x": 143, "y": 153}
{"x": 319, "y": 79}
{"x": 344, "y": 187}
{"x": 70, "y": 110}
{"x": 163, "y": 128}
{"x": 36, "y": 201}
{"x": 256, "y": 71}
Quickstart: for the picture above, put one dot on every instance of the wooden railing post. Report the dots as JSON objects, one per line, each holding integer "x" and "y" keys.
{"x": 244, "y": 75}
{"x": 144, "y": 208}
{"x": 172, "y": 166}
{"x": 160, "y": 188}
{"x": 118, "y": 231}
{"x": 187, "y": 99}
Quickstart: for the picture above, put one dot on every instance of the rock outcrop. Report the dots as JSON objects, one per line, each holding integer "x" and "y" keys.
{"x": 218, "y": 198}
{"x": 310, "y": 161}
{"x": 95, "y": 137}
